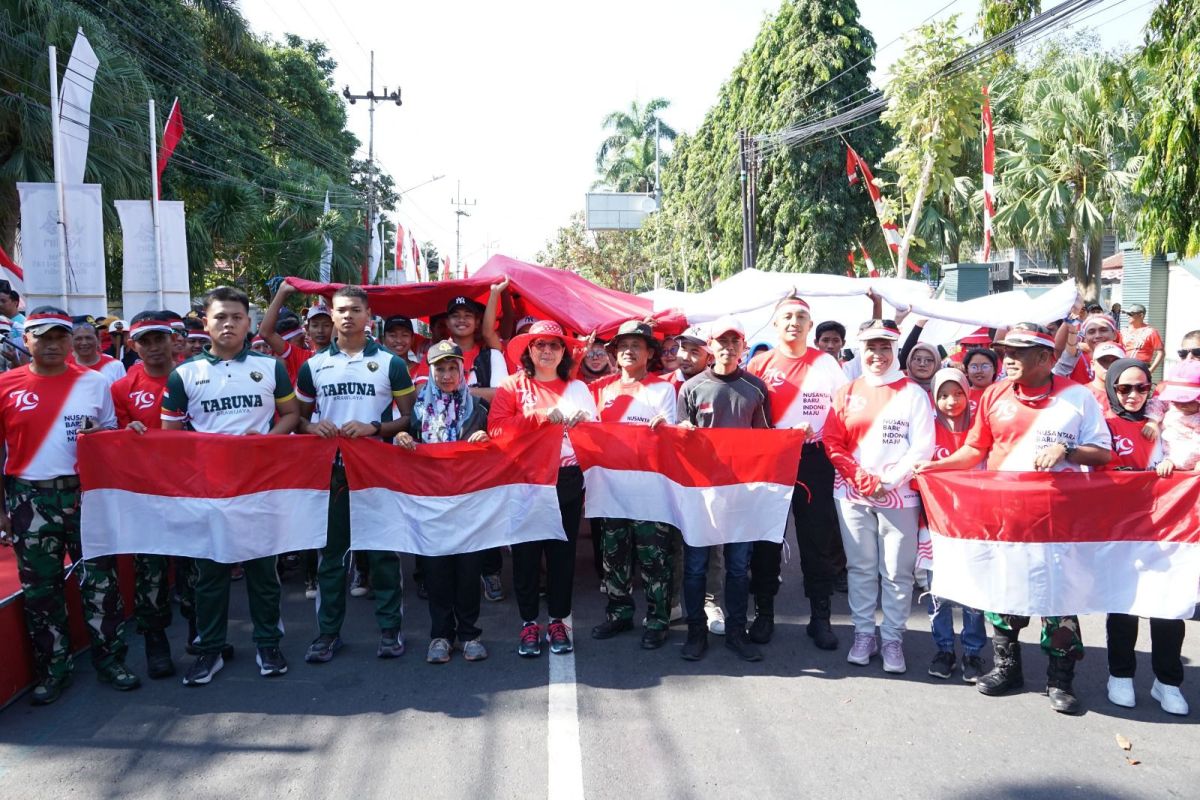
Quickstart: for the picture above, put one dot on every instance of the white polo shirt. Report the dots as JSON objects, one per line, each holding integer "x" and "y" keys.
{"x": 237, "y": 396}
{"x": 353, "y": 388}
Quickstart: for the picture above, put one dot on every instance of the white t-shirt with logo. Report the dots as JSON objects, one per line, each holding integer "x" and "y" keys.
{"x": 353, "y": 388}
{"x": 237, "y": 396}
{"x": 637, "y": 402}
{"x": 40, "y": 418}
{"x": 802, "y": 389}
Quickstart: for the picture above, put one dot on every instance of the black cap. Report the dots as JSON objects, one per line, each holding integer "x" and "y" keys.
{"x": 443, "y": 349}
{"x": 635, "y": 328}
{"x": 465, "y": 302}
{"x": 398, "y": 322}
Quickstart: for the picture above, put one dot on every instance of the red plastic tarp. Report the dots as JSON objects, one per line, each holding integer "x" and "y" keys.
{"x": 543, "y": 292}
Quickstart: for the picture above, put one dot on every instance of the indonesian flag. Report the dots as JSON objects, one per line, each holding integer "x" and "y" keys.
{"x": 989, "y": 174}
{"x": 203, "y": 495}
{"x": 443, "y": 499}
{"x": 172, "y": 133}
{"x": 445, "y": 268}
{"x": 871, "y": 271}
{"x": 416, "y": 254}
{"x": 400, "y": 272}
{"x": 1048, "y": 544}
{"x": 851, "y": 269}
{"x": 11, "y": 272}
{"x": 891, "y": 233}
{"x": 717, "y": 485}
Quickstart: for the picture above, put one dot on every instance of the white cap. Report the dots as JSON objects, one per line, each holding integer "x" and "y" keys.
{"x": 725, "y": 324}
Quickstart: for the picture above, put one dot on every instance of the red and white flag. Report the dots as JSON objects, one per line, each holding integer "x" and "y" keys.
{"x": 717, "y": 485}
{"x": 416, "y": 257}
{"x": 399, "y": 270}
{"x": 989, "y": 174}
{"x": 12, "y": 272}
{"x": 201, "y": 495}
{"x": 172, "y": 133}
{"x": 442, "y": 499}
{"x": 445, "y": 268}
{"x": 1048, "y": 544}
{"x": 891, "y": 234}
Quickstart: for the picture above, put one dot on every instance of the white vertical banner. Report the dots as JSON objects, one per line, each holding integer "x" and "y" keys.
{"x": 75, "y": 108}
{"x": 325, "y": 270}
{"x": 376, "y": 248}
{"x": 86, "y": 293}
{"x": 139, "y": 287}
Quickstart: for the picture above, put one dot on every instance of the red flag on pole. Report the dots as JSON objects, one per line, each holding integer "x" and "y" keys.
{"x": 399, "y": 267}
{"x": 11, "y": 272}
{"x": 989, "y": 174}
{"x": 172, "y": 133}
{"x": 850, "y": 271}
{"x": 891, "y": 233}
{"x": 445, "y": 268}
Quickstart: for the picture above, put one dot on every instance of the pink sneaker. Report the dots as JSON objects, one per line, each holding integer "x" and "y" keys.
{"x": 865, "y": 646}
{"x": 893, "y": 657}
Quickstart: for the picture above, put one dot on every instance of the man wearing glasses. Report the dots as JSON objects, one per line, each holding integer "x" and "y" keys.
{"x": 1034, "y": 421}
{"x": 1190, "y": 347}
{"x": 1142, "y": 341}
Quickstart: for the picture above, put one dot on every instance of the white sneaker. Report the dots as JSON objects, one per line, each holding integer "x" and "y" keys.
{"x": 1120, "y": 692}
{"x": 865, "y": 645}
{"x": 1170, "y": 698}
{"x": 893, "y": 657}
{"x": 716, "y": 619}
{"x": 676, "y": 613}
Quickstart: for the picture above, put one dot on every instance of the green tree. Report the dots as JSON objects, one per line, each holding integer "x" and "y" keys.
{"x": 1170, "y": 177}
{"x": 807, "y": 62}
{"x": 625, "y": 160}
{"x": 608, "y": 258}
{"x": 1067, "y": 167}
{"x": 935, "y": 114}
{"x": 997, "y": 16}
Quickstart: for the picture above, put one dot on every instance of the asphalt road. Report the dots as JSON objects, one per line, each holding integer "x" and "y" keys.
{"x": 801, "y": 723}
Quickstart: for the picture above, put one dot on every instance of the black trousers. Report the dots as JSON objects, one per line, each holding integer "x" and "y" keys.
{"x": 453, "y": 586}
{"x": 817, "y": 533}
{"x": 491, "y": 561}
{"x": 560, "y": 556}
{"x": 1166, "y": 644}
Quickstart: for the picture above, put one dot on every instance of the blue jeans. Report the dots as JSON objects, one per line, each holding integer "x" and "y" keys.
{"x": 737, "y": 583}
{"x": 941, "y": 625}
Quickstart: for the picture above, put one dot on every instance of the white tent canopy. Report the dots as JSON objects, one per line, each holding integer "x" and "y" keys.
{"x": 751, "y": 295}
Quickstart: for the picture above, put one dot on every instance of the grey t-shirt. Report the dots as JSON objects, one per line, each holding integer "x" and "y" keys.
{"x": 738, "y": 400}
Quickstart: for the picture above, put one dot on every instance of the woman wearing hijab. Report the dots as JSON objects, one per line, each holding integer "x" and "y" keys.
{"x": 543, "y": 392}
{"x": 444, "y": 412}
{"x": 1129, "y": 385}
{"x": 923, "y": 360}
{"x": 879, "y": 427}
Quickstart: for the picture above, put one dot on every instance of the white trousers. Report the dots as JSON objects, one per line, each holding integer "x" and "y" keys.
{"x": 881, "y": 554}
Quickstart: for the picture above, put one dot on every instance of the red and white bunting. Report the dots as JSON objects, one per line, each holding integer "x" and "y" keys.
{"x": 891, "y": 233}
{"x": 989, "y": 174}
{"x": 1054, "y": 543}
{"x": 443, "y": 499}
{"x": 717, "y": 485}
{"x": 244, "y": 496}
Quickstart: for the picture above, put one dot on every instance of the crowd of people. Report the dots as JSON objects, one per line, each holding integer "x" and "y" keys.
{"x": 1073, "y": 396}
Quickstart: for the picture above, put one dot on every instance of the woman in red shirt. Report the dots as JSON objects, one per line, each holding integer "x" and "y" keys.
{"x": 542, "y": 392}
{"x": 1129, "y": 386}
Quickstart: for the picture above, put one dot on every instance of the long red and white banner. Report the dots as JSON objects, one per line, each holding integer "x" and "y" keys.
{"x": 1036, "y": 543}
{"x": 442, "y": 499}
{"x": 717, "y": 485}
{"x": 226, "y": 498}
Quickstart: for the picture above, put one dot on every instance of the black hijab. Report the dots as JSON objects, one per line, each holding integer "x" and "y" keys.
{"x": 1115, "y": 371}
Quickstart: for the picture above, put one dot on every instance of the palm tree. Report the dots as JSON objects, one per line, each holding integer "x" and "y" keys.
{"x": 1067, "y": 167}
{"x": 625, "y": 160}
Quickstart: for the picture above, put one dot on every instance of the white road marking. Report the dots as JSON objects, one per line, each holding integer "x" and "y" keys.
{"x": 565, "y": 777}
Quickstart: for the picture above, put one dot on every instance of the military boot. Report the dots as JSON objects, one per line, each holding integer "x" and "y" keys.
{"x": 158, "y": 655}
{"x": 1006, "y": 673}
{"x": 1060, "y": 673}
{"x": 763, "y": 626}
{"x": 818, "y": 627}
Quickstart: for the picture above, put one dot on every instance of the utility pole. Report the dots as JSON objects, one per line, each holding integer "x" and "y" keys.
{"x": 459, "y": 203}
{"x": 371, "y": 99}
{"x": 748, "y": 175}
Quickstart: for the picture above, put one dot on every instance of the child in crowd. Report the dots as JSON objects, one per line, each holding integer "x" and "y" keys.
{"x": 1177, "y": 410}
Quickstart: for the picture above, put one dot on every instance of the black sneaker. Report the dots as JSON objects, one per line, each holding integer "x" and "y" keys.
{"x": 738, "y": 643}
{"x": 158, "y": 655}
{"x": 972, "y": 668}
{"x": 271, "y": 662}
{"x": 118, "y": 676}
{"x": 611, "y": 627}
{"x": 560, "y": 638}
{"x": 50, "y": 689}
{"x": 942, "y": 665}
{"x": 531, "y": 641}
{"x": 653, "y": 639}
{"x": 203, "y": 669}
{"x": 322, "y": 649}
{"x": 697, "y": 642}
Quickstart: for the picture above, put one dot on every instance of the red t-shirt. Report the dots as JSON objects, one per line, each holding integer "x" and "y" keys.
{"x": 1083, "y": 372}
{"x": 946, "y": 441}
{"x": 1130, "y": 449}
{"x": 801, "y": 389}
{"x": 518, "y": 398}
{"x": 138, "y": 397}
{"x": 1140, "y": 343}
{"x": 293, "y": 358}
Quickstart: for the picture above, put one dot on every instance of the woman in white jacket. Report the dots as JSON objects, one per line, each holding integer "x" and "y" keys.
{"x": 880, "y": 425}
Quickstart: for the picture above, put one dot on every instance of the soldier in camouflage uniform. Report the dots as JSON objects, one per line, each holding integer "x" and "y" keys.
{"x": 44, "y": 407}
{"x": 636, "y": 396}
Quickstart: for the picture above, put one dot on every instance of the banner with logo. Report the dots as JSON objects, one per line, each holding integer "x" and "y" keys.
{"x": 139, "y": 288}
{"x": 1054, "y": 543}
{"x": 85, "y": 286}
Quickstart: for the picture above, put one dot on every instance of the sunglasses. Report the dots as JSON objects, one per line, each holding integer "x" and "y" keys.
{"x": 1194, "y": 352}
{"x": 598, "y": 353}
{"x": 1126, "y": 389}
{"x": 547, "y": 344}
{"x": 670, "y": 350}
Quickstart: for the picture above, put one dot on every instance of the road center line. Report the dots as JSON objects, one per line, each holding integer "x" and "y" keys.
{"x": 565, "y": 775}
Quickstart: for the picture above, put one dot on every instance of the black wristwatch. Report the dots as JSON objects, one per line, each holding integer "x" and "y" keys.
{"x": 378, "y": 426}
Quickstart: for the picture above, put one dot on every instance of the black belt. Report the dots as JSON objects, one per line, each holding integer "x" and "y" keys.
{"x": 61, "y": 483}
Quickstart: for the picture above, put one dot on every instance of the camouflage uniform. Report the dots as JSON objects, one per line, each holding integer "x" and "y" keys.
{"x": 651, "y": 543}
{"x": 151, "y": 593}
{"x": 1060, "y": 635}
{"x": 45, "y": 524}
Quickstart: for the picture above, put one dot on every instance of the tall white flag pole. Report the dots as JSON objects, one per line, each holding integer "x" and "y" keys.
{"x": 58, "y": 180}
{"x": 158, "y": 265}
